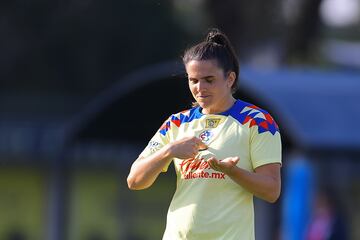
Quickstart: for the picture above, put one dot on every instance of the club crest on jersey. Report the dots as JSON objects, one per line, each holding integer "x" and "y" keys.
{"x": 205, "y": 136}
{"x": 212, "y": 122}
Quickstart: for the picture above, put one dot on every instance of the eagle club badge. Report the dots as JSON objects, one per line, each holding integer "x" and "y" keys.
{"x": 212, "y": 122}
{"x": 206, "y": 136}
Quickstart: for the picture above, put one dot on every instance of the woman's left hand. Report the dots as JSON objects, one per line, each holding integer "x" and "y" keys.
{"x": 225, "y": 165}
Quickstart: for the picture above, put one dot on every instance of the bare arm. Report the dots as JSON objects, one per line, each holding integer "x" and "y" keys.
{"x": 144, "y": 171}
{"x": 264, "y": 183}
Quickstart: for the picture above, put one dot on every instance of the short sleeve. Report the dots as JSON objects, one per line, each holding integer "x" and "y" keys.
{"x": 265, "y": 147}
{"x": 159, "y": 140}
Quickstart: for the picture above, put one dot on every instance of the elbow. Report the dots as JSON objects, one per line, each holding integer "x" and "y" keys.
{"x": 134, "y": 185}
{"x": 273, "y": 196}
{"x": 272, "y": 199}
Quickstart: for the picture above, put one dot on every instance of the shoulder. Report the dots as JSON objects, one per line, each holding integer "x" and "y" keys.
{"x": 253, "y": 116}
{"x": 177, "y": 119}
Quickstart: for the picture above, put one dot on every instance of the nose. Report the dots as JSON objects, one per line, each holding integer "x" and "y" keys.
{"x": 201, "y": 85}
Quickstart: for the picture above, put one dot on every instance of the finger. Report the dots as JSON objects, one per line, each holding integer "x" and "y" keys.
{"x": 213, "y": 163}
{"x": 200, "y": 144}
{"x": 211, "y": 159}
{"x": 195, "y": 152}
{"x": 232, "y": 159}
{"x": 236, "y": 160}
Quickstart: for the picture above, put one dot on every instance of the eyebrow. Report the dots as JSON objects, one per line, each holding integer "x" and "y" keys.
{"x": 205, "y": 78}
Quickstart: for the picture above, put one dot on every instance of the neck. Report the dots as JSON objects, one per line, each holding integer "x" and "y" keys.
{"x": 222, "y": 107}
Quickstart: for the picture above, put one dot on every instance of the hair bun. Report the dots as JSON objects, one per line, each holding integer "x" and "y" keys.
{"x": 214, "y": 35}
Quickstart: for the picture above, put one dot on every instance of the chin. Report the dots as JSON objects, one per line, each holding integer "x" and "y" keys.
{"x": 203, "y": 104}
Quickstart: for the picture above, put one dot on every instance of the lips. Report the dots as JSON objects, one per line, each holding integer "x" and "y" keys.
{"x": 203, "y": 96}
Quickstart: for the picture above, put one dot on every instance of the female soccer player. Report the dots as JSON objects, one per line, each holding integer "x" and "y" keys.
{"x": 224, "y": 150}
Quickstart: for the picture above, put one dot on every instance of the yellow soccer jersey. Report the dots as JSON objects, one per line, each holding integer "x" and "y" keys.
{"x": 207, "y": 204}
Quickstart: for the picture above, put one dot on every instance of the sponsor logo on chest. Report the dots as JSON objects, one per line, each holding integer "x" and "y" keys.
{"x": 193, "y": 168}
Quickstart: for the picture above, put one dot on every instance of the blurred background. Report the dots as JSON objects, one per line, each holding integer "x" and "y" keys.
{"x": 85, "y": 84}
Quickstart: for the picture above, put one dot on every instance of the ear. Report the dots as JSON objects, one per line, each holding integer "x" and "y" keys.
{"x": 231, "y": 79}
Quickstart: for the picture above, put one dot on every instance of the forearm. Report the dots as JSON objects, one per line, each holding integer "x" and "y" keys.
{"x": 144, "y": 171}
{"x": 263, "y": 186}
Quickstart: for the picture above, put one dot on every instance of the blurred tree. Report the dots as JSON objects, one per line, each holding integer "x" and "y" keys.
{"x": 247, "y": 23}
{"x": 82, "y": 45}
{"x": 251, "y": 24}
{"x": 302, "y": 32}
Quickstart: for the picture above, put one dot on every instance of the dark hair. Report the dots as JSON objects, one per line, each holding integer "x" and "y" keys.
{"x": 217, "y": 47}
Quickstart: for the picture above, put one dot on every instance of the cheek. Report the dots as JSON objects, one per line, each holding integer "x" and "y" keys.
{"x": 192, "y": 88}
{"x": 223, "y": 89}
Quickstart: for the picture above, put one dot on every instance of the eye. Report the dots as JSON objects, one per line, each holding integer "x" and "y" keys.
{"x": 209, "y": 79}
{"x": 193, "y": 80}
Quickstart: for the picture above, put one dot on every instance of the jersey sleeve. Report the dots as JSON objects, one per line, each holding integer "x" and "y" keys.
{"x": 158, "y": 141}
{"x": 265, "y": 147}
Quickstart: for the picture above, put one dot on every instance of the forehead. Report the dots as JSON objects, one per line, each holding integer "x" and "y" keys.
{"x": 203, "y": 67}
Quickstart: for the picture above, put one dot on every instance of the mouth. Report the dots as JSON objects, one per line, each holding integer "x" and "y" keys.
{"x": 203, "y": 96}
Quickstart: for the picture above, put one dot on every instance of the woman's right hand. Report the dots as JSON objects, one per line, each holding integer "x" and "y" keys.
{"x": 187, "y": 147}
